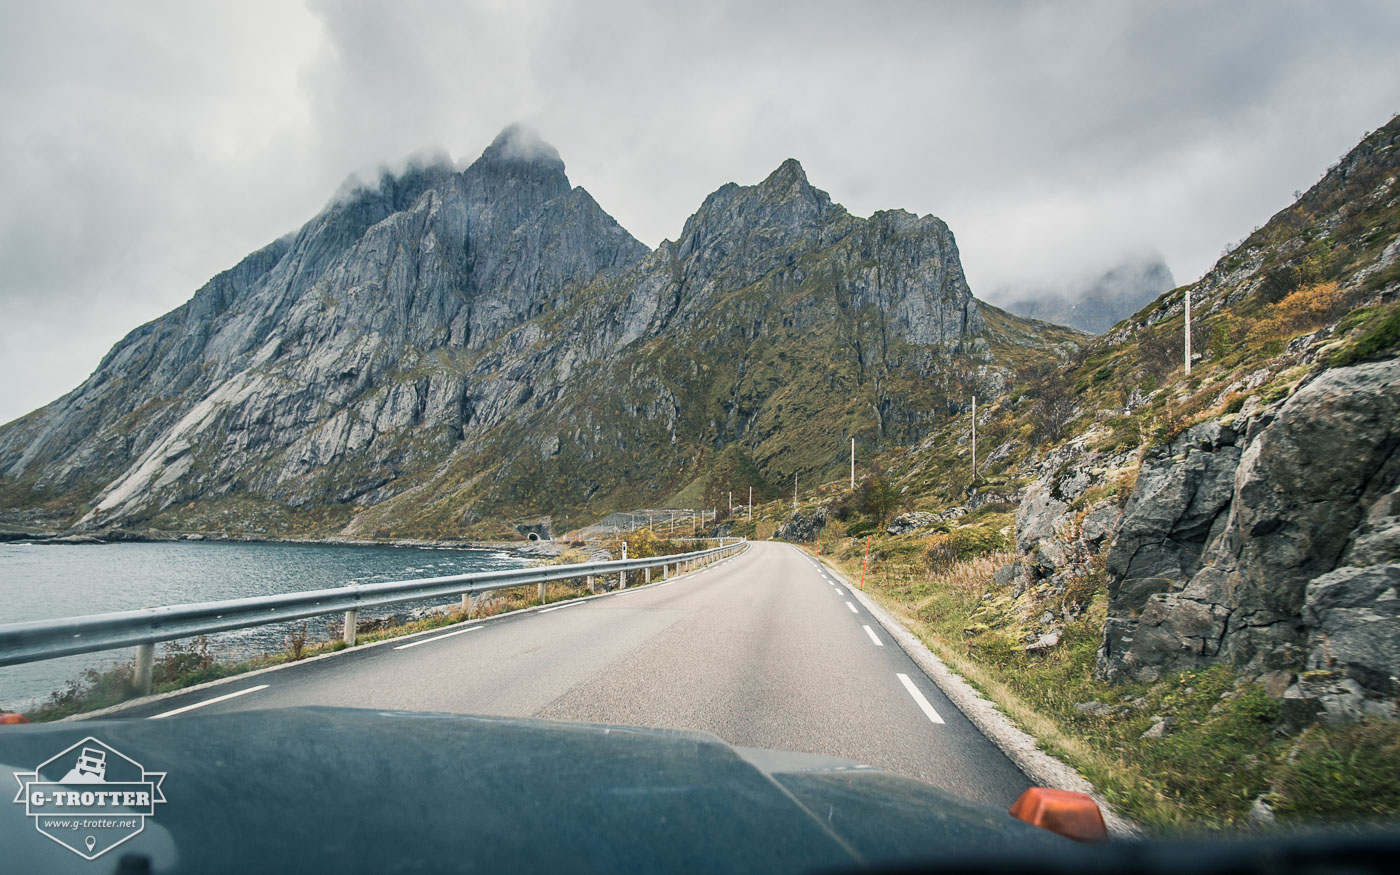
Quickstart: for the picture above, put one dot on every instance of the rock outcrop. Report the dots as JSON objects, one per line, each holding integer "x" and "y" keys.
{"x": 1275, "y": 549}
{"x": 802, "y": 526}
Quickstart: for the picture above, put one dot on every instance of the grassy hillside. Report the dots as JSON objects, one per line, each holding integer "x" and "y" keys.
{"x": 1316, "y": 287}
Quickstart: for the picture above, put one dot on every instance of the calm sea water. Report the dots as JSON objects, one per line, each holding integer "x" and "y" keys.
{"x": 39, "y": 582}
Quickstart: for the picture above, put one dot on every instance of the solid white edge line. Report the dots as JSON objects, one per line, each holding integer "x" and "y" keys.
{"x": 437, "y": 638}
{"x": 923, "y": 703}
{"x": 874, "y": 639}
{"x": 1039, "y": 766}
{"x": 852, "y": 607}
{"x": 222, "y": 698}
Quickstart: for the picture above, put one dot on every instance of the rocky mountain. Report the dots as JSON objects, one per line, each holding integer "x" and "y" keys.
{"x": 1098, "y": 305}
{"x": 1249, "y": 514}
{"x": 1184, "y": 577}
{"x": 446, "y": 351}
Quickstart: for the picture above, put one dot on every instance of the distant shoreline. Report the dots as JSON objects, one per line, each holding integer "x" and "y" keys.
{"x": 123, "y": 536}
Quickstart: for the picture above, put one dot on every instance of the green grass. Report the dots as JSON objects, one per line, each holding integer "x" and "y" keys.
{"x": 1224, "y": 751}
{"x": 1344, "y": 774}
{"x": 1377, "y": 335}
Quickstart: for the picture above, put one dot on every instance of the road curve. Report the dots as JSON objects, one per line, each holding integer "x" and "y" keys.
{"x": 763, "y": 650}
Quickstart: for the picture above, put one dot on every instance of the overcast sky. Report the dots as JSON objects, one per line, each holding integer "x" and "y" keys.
{"x": 145, "y": 146}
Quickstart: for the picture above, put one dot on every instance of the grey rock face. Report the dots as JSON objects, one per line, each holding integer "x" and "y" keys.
{"x": 1039, "y": 516}
{"x": 1160, "y": 726}
{"x": 301, "y": 355}
{"x": 1352, "y": 616}
{"x": 1260, "y": 577}
{"x": 1178, "y": 504}
{"x": 911, "y": 522}
{"x": 802, "y": 526}
{"x": 491, "y": 338}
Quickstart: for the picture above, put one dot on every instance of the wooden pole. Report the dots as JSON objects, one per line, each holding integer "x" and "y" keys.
{"x": 974, "y": 439}
{"x": 1188, "y": 331}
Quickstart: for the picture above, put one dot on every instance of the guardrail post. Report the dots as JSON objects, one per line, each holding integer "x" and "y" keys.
{"x": 145, "y": 667}
{"x": 542, "y": 593}
{"x": 467, "y": 604}
{"x": 351, "y": 618}
{"x": 592, "y": 587}
{"x": 622, "y": 580}
{"x": 646, "y": 575}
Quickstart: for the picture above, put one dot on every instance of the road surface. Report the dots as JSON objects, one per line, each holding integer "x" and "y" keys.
{"x": 764, "y": 650}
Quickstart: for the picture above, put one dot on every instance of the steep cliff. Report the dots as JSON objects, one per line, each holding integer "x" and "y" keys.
{"x": 445, "y": 350}
{"x": 1247, "y": 514}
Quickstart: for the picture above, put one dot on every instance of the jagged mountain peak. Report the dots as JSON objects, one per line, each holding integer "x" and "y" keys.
{"x": 398, "y": 186}
{"x": 442, "y": 322}
{"x": 519, "y": 167}
{"x": 787, "y": 176}
{"x": 521, "y": 144}
{"x": 1094, "y": 303}
{"x": 783, "y": 209}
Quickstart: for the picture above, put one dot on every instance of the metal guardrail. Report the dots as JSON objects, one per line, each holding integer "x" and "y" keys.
{"x": 38, "y": 640}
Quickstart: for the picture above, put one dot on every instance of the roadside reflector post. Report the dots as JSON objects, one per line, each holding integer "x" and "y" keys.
{"x": 865, "y": 561}
{"x": 145, "y": 667}
{"x": 351, "y": 618}
{"x": 1064, "y": 812}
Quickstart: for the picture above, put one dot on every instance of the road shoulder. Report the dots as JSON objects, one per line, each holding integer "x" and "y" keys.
{"x": 1019, "y": 746}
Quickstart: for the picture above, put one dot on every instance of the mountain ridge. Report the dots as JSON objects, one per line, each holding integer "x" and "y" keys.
{"x": 417, "y": 332}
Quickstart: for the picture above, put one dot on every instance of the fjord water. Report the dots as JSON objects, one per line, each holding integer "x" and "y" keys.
{"x": 41, "y": 581}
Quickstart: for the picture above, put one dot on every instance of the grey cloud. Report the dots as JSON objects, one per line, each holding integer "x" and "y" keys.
{"x": 148, "y": 146}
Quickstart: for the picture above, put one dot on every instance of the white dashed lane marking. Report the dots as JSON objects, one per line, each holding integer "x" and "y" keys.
{"x": 923, "y": 703}
{"x": 436, "y": 638}
{"x": 223, "y": 698}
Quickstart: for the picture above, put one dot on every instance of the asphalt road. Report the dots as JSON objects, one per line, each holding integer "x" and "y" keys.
{"x": 763, "y": 649}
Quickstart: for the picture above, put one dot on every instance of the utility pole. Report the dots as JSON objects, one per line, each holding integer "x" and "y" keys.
{"x": 974, "y": 438}
{"x": 853, "y": 464}
{"x": 731, "y": 502}
{"x": 794, "y": 492}
{"x": 750, "y": 504}
{"x": 1188, "y": 331}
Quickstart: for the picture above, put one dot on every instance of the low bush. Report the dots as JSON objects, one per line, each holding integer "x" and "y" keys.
{"x": 962, "y": 544}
